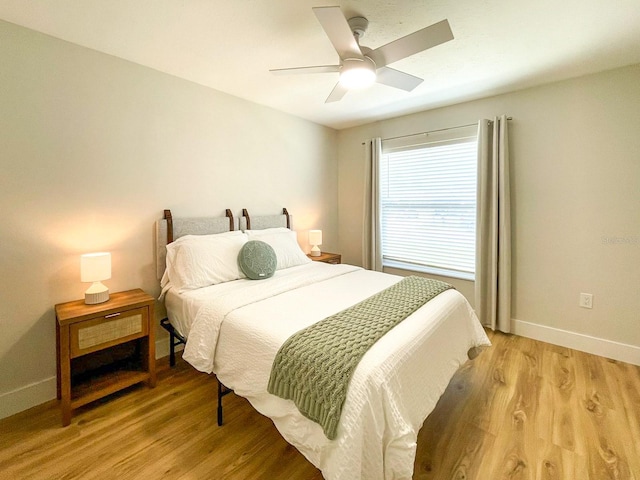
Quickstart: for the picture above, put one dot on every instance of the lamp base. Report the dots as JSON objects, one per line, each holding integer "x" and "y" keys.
{"x": 315, "y": 251}
{"x": 97, "y": 293}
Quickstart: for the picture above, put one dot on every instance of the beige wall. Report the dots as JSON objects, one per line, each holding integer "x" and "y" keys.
{"x": 92, "y": 149}
{"x": 575, "y": 152}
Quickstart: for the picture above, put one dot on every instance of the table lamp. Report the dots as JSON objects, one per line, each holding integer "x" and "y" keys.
{"x": 315, "y": 239}
{"x": 95, "y": 267}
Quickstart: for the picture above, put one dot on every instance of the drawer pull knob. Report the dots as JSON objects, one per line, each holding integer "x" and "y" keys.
{"x": 112, "y": 315}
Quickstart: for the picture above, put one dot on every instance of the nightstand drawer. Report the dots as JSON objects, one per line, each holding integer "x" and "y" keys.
{"x": 109, "y": 330}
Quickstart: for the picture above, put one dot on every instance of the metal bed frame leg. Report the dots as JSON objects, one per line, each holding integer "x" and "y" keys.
{"x": 222, "y": 391}
{"x": 219, "y": 404}
{"x": 176, "y": 339}
{"x": 172, "y": 349}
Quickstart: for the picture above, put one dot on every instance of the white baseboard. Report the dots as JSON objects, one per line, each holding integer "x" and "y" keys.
{"x": 578, "y": 341}
{"x": 40, "y": 392}
{"x": 26, "y": 397}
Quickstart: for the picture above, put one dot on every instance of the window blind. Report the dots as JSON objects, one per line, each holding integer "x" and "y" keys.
{"x": 428, "y": 206}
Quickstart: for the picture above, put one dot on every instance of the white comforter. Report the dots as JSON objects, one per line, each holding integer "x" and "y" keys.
{"x": 235, "y": 330}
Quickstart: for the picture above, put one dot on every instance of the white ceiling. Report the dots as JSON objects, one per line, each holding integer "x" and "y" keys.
{"x": 499, "y": 45}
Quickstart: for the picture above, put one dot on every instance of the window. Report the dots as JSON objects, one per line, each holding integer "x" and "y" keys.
{"x": 428, "y": 203}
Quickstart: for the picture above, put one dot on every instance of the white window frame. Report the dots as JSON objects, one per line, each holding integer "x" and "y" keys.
{"x": 433, "y": 259}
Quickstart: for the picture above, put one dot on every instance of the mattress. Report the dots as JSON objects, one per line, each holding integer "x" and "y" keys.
{"x": 235, "y": 330}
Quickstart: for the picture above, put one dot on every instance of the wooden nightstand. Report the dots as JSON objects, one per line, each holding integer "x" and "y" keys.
{"x": 327, "y": 257}
{"x": 103, "y": 348}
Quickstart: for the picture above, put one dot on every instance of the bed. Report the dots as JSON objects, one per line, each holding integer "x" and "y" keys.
{"x": 234, "y": 329}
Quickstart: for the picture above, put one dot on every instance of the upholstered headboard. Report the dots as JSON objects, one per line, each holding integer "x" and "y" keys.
{"x": 171, "y": 228}
{"x": 265, "y": 221}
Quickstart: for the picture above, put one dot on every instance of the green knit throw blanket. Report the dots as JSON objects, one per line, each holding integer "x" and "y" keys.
{"x": 314, "y": 366}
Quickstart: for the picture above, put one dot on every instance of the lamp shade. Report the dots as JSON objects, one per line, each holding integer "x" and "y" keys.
{"x": 95, "y": 267}
{"x": 315, "y": 237}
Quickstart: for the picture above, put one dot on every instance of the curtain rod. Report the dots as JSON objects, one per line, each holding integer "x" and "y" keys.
{"x": 434, "y": 131}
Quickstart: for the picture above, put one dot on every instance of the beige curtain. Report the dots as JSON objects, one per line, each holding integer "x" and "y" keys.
{"x": 493, "y": 226}
{"x": 371, "y": 246}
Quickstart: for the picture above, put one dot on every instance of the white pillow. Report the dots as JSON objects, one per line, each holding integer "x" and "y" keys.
{"x": 196, "y": 261}
{"x": 284, "y": 242}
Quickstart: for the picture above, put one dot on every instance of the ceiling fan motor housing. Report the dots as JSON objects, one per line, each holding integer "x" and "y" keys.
{"x": 358, "y": 26}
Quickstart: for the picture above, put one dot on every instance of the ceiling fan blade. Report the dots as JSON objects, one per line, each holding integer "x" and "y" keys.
{"x": 299, "y": 70}
{"x": 413, "y": 43}
{"x": 395, "y": 78}
{"x": 338, "y": 30}
{"x": 337, "y": 93}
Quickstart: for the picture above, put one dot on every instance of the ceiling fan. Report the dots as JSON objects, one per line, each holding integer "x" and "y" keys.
{"x": 361, "y": 66}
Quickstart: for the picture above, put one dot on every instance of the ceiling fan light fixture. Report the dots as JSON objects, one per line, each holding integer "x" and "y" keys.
{"x": 357, "y": 72}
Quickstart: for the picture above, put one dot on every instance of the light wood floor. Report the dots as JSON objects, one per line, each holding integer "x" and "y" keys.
{"x": 521, "y": 410}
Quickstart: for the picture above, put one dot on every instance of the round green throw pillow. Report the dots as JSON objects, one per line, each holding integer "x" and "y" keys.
{"x": 257, "y": 260}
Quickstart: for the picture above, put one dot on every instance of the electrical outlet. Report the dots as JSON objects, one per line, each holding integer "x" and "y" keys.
{"x": 586, "y": 300}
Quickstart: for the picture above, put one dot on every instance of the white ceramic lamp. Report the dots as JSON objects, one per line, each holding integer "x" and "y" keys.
{"x": 315, "y": 239}
{"x": 95, "y": 267}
